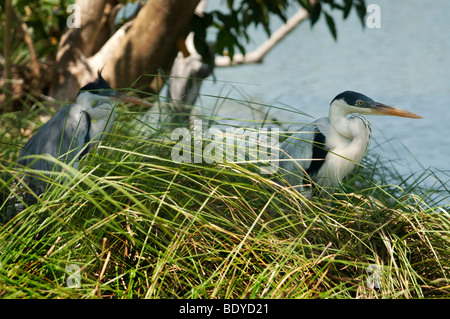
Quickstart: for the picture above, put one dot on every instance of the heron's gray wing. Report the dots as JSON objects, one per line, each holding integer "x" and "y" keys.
{"x": 63, "y": 134}
{"x": 56, "y": 137}
{"x": 303, "y": 153}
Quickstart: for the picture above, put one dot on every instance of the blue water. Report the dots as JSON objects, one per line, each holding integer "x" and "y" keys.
{"x": 405, "y": 63}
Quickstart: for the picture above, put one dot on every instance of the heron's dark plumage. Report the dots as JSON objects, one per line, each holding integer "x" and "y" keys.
{"x": 318, "y": 155}
{"x": 351, "y": 97}
{"x": 87, "y": 138}
{"x": 55, "y": 139}
{"x": 100, "y": 86}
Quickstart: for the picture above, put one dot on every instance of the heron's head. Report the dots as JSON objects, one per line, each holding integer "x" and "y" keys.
{"x": 354, "y": 102}
{"x": 97, "y": 98}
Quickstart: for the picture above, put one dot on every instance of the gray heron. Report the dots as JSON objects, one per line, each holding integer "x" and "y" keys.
{"x": 69, "y": 133}
{"x": 325, "y": 151}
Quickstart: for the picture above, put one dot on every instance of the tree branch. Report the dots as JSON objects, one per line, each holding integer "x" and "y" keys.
{"x": 150, "y": 44}
{"x": 100, "y": 59}
{"x": 258, "y": 55}
{"x": 34, "y": 61}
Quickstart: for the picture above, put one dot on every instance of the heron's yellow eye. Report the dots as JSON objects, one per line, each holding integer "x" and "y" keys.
{"x": 360, "y": 103}
{"x": 94, "y": 104}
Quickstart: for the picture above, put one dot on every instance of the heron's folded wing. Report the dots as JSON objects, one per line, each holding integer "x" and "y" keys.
{"x": 56, "y": 137}
{"x": 303, "y": 152}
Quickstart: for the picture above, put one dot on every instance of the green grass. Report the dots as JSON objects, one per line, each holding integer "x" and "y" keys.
{"x": 142, "y": 226}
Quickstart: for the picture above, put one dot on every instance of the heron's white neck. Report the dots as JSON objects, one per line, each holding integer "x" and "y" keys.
{"x": 338, "y": 119}
{"x": 355, "y": 129}
{"x": 101, "y": 115}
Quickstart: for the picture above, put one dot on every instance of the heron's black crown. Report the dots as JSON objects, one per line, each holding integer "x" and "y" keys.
{"x": 100, "y": 86}
{"x": 351, "y": 98}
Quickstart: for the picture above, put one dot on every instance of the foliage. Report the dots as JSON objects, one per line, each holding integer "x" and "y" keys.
{"x": 34, "y": 30}
{"x": 232, "y": 26}
{"x": 140, "y": 225}
{"x": 46, "y": 21}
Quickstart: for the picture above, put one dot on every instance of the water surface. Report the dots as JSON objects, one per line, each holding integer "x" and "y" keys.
{"x": 405, "y": 63}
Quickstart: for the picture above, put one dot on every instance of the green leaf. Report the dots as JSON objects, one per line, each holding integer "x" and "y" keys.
{"x": 314, "y": 14}
{"x": 331, "y": 25}
{"x": 240, "y": 47}
{"x": 220, "y": 42}
{"x": 361, "y": 9}
{"x": 347, "y": 8}
{"x": 306, "y": 4}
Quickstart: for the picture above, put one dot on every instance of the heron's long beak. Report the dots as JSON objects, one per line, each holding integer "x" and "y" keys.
{"x": 382, "y": 109}
{"x": 131, "y": 99}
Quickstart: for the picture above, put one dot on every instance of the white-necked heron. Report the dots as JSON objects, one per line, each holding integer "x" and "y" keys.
{"x": 325, "y": 151}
